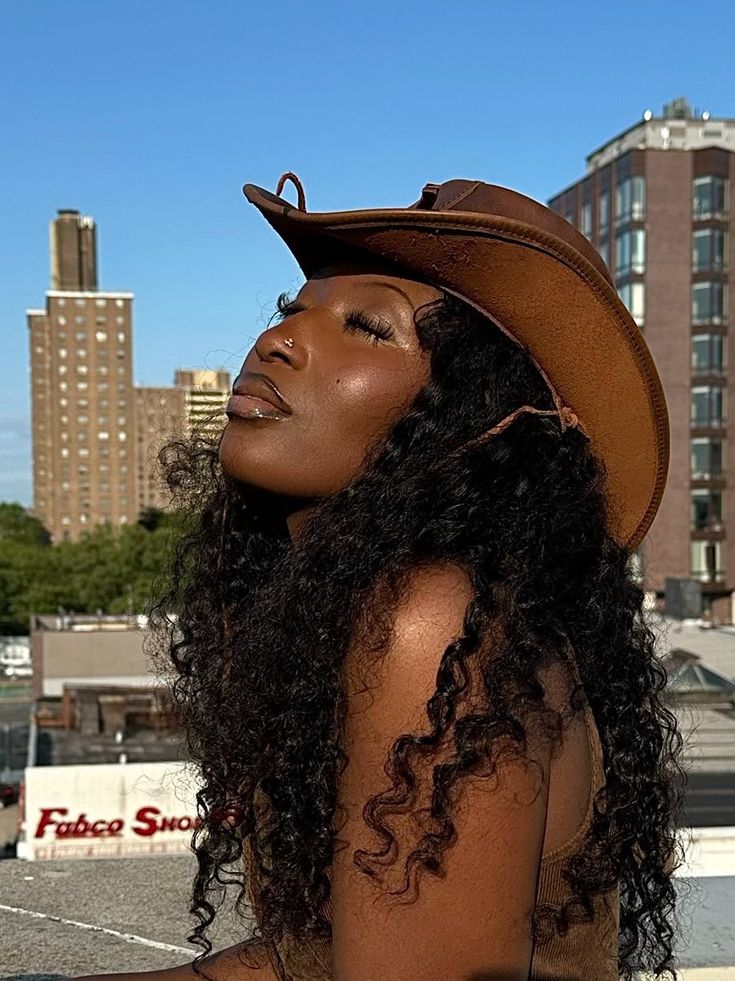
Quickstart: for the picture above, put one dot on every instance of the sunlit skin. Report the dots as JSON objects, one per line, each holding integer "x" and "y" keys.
{"x": 345, "y": 386}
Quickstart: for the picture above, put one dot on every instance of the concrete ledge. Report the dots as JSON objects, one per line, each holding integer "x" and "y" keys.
{"x": 708, "y": 852}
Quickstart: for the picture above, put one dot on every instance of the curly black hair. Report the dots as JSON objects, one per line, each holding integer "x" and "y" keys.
{"x": 256, "y": 626}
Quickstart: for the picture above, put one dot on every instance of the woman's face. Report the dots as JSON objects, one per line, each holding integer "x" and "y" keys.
{"x": 344, "y": 385}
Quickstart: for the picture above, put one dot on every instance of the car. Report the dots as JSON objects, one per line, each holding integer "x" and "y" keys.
{"x": 9, "y": 794}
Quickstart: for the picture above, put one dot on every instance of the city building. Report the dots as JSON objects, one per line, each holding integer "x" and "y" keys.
{"x": 655, "y": 201}
{"x": 206, "y": 392}
{"x": 81, "y": 391}
{"x": 160, "y": 415}
{"x": 96, "y": 436}
{"x": 195, "y": 403}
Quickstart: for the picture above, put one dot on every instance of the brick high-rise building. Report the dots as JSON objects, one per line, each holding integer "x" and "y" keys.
{"x": 655, "y": 201}
{"x": 81, "y": 391}
{"x": 195, "y": 402}
{"x": 160, "y": 415}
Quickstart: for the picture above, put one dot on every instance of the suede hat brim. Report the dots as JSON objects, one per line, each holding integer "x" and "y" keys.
{"x": 542, "y": 284}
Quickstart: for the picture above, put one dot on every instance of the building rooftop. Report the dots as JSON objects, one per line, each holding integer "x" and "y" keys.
{"x": 679, "y": 127}
{"x": 88, "y": 917}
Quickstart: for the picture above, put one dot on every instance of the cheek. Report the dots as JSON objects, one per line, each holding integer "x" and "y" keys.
{"x": 365, "y": 400}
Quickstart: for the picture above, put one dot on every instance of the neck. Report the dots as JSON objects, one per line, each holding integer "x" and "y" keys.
{"x": 297, "y": 516}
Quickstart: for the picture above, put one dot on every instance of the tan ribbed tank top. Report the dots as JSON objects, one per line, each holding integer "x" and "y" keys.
{"x": 587, "y": 952}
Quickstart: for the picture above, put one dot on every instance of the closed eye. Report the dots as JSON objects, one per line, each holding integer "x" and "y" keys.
{"x": 354, "y": 319}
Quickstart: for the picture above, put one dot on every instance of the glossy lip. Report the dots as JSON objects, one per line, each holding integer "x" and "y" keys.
{"x": 260, "y": 386}
{"x": 249, "y": 407}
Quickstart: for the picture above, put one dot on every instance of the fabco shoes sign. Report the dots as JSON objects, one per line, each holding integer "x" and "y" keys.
{"x": 103, "y": 811}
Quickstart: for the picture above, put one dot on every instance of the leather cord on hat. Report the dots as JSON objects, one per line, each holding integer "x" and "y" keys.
{"x": 290, "y": 176}
{"x": 568, "y": 419}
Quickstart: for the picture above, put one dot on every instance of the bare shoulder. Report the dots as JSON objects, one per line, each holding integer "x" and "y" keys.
{"x": 473, "y": 917}
{"x": 428, "y": 615}
{"x": 436, "y": 597}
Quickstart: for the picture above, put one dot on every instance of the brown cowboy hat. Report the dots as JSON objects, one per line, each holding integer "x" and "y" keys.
{"x": 543, "y": 283}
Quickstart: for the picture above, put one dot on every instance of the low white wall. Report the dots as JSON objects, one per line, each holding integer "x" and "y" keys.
{"x": 107, "y": 810}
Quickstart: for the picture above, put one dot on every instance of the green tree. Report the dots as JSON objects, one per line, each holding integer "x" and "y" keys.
{"x": 112, "y": 569}
{"x": 17, "y": 525}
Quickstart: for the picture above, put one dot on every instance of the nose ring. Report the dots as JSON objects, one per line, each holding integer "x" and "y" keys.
{"x": 289, "y": 342}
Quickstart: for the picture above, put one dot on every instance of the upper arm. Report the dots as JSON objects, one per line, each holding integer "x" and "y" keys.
{"x": 475, "y": 918}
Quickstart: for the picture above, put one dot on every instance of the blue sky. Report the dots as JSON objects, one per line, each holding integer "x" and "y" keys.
{"x": 151, "y": 116}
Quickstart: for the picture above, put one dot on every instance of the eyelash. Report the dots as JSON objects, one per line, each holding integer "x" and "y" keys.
{"x": 354, "y": 319}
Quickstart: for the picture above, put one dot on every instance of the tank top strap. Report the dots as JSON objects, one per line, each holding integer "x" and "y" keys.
{"x": 593, "y": 736}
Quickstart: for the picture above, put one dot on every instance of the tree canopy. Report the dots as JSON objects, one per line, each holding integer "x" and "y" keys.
{"x": 110, "y": 569}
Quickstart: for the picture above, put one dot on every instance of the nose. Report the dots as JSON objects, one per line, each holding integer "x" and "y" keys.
{"x": 278, "y": 343}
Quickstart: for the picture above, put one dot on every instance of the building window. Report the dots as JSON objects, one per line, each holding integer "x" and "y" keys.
{"x": 100, "y": 302}
{"x": 707, "y": 560}
{"x": 603, "y": 212}
{"x": 119, "y": 303}
{"x": 122, "y": 436}
{"x": 64, "y": 451}
{"x": 708, "y": 406}
{"x": 630, "y": 200}
{"x": 79, "y": 320}
{"x": 708, "y": 250}
{"x": 706, "y": 511}
{"x": 101, "y": 335}
{"x": 708, "y": 353}
{"x": 82, "y": 369}
{"x": 83, "y": 451}
{"x": 63, "y": 369}
{"x": 61, "y": 321}
{"x": 709, "y": 300}
{"x": 585, "y": 219}
{"x": 709, "y": 197}
{"x": 633, "y": 296}
{"x": 82, "y": 386}
{"x": 79, "y": 302}
{"x": 630, "y": 251}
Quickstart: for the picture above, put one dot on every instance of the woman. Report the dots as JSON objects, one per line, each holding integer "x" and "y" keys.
{"x": 410, "y": 654}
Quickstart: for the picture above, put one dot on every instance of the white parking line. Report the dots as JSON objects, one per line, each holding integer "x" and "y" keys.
{"x": 698, "y": 974}
{"x": 130, "y": 938}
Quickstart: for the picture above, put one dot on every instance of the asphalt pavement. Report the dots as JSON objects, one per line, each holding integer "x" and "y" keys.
{"x": 62, "y": 919}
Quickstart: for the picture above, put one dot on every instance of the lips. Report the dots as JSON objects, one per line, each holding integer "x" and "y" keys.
{"x": 260, "y": 386}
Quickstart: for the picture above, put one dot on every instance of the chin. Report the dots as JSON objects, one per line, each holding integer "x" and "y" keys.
{"x": 240, "y": 459}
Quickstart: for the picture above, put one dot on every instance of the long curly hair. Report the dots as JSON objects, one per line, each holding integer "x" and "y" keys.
{"x": 255, "y": 628}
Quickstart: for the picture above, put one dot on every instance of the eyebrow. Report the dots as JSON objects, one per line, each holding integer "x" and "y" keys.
{"x": 388, "y": 286}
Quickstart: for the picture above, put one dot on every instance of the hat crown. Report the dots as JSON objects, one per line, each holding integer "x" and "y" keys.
{"x": 459, "y": 194}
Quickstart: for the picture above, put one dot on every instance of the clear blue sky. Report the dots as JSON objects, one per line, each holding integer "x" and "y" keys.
{"x": 150, "y": 116}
